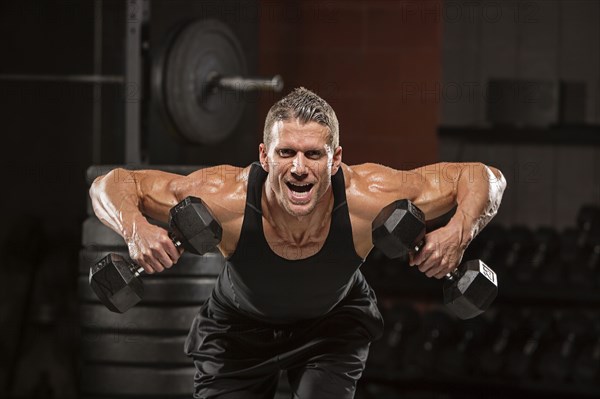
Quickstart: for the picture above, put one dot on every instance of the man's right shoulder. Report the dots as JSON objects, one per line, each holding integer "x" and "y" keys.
{"x": 221, "y": 174}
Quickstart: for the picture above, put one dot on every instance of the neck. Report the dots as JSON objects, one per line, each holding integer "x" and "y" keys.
{"x": 297, "y": 229}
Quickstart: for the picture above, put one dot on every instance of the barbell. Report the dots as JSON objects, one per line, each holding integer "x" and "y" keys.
{"x": 199, "y": 79}
{"x": 197, "y": 76}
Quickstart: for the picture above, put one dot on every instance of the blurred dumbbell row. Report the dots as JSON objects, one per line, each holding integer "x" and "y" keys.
{"x": 544, "y": 256}
{"x": 506, "y": 343}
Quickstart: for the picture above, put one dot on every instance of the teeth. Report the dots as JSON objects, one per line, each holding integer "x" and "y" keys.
{"x": 300, "y": 189}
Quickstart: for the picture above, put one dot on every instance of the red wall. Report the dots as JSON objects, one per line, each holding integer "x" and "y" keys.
{"x": 369, "y": 60}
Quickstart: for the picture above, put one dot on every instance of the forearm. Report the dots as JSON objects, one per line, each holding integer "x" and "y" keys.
{"x": 479, "y": 192}
{"x": 116, "y": 201}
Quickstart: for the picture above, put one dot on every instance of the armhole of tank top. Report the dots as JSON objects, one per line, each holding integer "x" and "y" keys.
{"x": 253, "y": 176}
{"x": 343, "y": 219}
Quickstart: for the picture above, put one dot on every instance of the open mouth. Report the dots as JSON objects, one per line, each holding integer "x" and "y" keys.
{"x": 300, "y": 188}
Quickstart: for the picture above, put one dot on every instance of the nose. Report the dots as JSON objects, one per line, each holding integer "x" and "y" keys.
{"x": 299, "y": 165}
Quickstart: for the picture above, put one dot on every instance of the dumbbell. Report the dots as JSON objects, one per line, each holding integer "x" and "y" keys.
{"x": 546, "y": 250}
{"x": 506, "y": 325}
{"x": 521, "y": 357}
{"x": 522, "y": 243}
{"x": 438, "y": 331}
{"x": 114, "y": 278}
{"x": 401, "y": 322}
{"x": 400, "y": 228}
{"x": 555, "y": 362}
{"x": 585, "y": 264}
{"x": 455, "y": 360}
{"x": 588, "y": 223}
{"x": 586, "y": 365}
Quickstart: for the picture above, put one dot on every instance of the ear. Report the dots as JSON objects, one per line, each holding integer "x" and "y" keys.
{"x": 337, "y": 160}
{"x": 262, "y": 156}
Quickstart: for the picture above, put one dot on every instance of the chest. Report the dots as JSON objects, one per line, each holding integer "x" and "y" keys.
{"x": 361, "y": 237}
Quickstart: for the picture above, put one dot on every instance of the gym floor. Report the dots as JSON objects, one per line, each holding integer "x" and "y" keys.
{"x": 511, "y": 84}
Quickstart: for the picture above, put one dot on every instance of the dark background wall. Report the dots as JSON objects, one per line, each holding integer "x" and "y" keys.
{"x": 362, "y": 57}
{"x": 533, "y": 41}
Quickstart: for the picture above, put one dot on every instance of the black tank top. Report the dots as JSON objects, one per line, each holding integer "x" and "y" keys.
{"x": 263, "y": 285}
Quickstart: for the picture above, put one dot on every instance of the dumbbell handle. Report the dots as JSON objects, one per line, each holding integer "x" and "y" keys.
{"x": 240, "y": 83}
{"x": 177, "y": 244}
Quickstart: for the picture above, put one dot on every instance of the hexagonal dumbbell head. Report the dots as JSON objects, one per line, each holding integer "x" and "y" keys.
{"x": 398, "y": 229}
{"x": 471, "y": 290}
{"x": 115, "y": 282}
{"x": 194, "y": 225}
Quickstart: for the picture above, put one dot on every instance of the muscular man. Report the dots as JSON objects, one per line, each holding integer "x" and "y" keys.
{"x": 296, "y": 229}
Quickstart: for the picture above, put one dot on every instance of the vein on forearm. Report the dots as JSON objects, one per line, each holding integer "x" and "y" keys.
{"x": 479, "y": 192}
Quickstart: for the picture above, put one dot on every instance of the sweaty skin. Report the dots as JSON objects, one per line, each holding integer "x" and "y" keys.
{"x": 297, "y": 201}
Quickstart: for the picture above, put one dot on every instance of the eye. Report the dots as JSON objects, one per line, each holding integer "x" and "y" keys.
{"x": 313, "y": 154}
{"x": 286, "y": 152}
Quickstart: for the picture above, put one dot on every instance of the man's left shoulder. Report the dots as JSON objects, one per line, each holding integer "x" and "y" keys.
{"x": 366, "y": 176}
{"x": 369, "y": 187}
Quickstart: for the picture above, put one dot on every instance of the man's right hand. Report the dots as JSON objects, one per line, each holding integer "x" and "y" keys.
{"x": 151, "y": 247}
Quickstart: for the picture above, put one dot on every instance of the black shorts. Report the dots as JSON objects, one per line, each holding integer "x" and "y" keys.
{"x": 239, "y": 357}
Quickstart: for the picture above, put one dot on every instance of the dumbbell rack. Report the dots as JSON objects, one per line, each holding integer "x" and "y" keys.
{"x": 538, "y": 290}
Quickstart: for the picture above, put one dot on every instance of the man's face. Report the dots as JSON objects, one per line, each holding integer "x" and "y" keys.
{"x": 300, "y": 163}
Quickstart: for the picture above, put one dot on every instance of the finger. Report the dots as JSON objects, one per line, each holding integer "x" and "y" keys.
{"x": 426, "y": 267}
{"x": 173, "y": 252}
{"x": 163, "y": 259}
{"x": 430, "y": 269}
{"x": 154, "y": 264}
{"x": 446, "y": 266}
{"x": 411, "y": 259}
{"x": 421, "y": 257}
{"x": 440, "y": 275}
{"x": 439, "y": 272}
{"x": 157, "y": 266}
{"x": 425, "y": 261}
{"x": 146, "y": 266}
{"x": 139, "y": 261}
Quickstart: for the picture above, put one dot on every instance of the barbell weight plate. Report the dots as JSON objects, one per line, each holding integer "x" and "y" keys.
{"x": 164, "y": 291}
{"x": 139, "y": 319}
{"x": 103, "y": 347}
{"x": 189, "y": 264}
{"x": 147, "y": 382}
{"x": 195, "y": 110}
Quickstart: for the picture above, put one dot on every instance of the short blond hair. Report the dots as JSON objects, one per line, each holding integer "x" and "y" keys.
{"x": 306, "y": 106}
